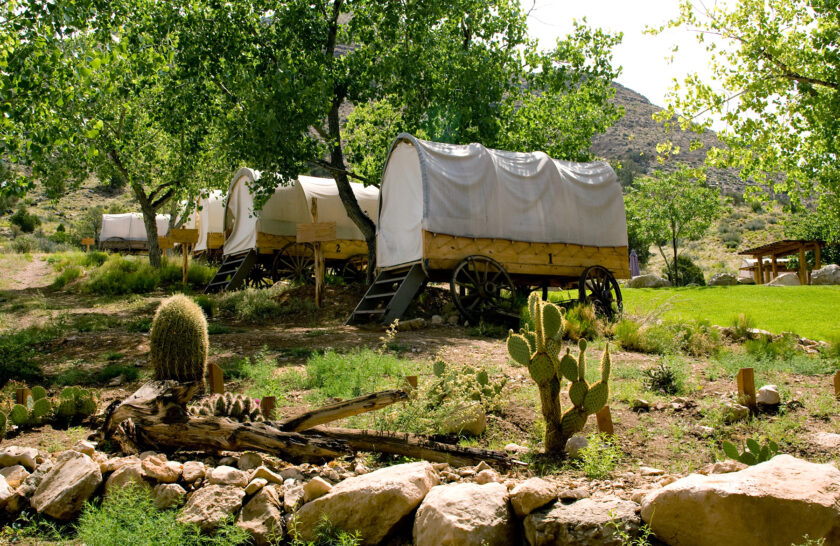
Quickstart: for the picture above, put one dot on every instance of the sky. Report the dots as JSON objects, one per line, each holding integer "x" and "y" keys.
{"x": 641, "y": 56}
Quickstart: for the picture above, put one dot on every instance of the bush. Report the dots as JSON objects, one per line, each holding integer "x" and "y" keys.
{"x": 18, "y": 351}
{"x": 689, "y": 272}
{"x": 600, "y": 457}
{"x": 583, "y": 323}
{"x": 128, "y": 516}
{"x": 663, "y": 379}
{"x": 359, "y": 372}
{"x": 251, "y": 304}
{"x": 119, "y": 275}
{"x": 207, "y": 305}
{"x": 26, "y": 221}
{"x": 70, "y": 274}
{"x": 756, "y": 206}
{"x": 755, "y": 224}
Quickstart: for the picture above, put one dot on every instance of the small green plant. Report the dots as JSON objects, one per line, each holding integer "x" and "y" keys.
{"x": 75, "y": 404}
{"x": 753, "y": 454}
{"x": 178, "y": 341}
{"x": 741, "y": 326}
{"x": 662, "y": 378}
{"x": 140, "y": 325}
{"x": 539, "y": 350}
{"x": 358, "y": 372}
{"x": 207, "y": 305}
{"x": 2, "y": 426}
{"x": 235, "y": 406}
{"x": 326, "y": 534}
{"x": 36, "y": 410}
{"x": 640, "y": 538}
{"x": 600, "y": 457}
{"x": 462, "y": 382}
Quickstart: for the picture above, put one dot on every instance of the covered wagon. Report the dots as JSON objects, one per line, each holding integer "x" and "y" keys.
{"x": 127, "y": 232}
{"x": 494, "y": 225}
{"x": 264, "y": 243}
{"x": 208, "y": 218}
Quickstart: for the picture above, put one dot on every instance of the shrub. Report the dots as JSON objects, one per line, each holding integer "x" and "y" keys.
{"x": 207, "y": 305}
{"x": 741, "y": 325}
{"x": 731, "y": 239}
{"x": 70, "y": 274}
{"x": 122, "y": 275}
{"x": 18, "y": 351}
{"x": 358, "y": 372}
{"x": 26, "y": 221}
{"x": 662, "y": 379}
{"x": 200, "y": 274}
{"x": 251, "y": 304}
{"x": 756, "y": 206}
{"x": 600, "y": 457}
{"x": 140, "y": 325}
{"x": 689, "y": 272}
{"x": 755, "y": 224}
{"x": 583, "y": 323}
{"x": 178, "y": 340}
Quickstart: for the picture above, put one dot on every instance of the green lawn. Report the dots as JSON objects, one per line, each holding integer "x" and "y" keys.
{"x": 810, "y": 311}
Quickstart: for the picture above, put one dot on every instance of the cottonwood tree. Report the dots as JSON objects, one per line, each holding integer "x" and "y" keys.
{"x": 670, "y": 206}
{"x": 775, "y": 84}
{"x": 456, "y": 71}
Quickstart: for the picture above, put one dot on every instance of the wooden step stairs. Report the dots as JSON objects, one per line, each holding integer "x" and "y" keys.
{"x": 390, "y": 295}
{"x": 233, "y": 272}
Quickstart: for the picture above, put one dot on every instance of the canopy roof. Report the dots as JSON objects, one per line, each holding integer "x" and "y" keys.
{"x": 129, "y": 226}
{"x": 781, "y": 248}
{"x": 210, "y": 217}
{"x": 289, "y": 206}
{"x": 473, "y": 191}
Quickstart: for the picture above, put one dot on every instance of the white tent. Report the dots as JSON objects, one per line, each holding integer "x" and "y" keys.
{"x": 129, "y": 227}
{"x": 211, "y": 217}
{"x": 473, "y": 191}
{"x": 289, "y": 206}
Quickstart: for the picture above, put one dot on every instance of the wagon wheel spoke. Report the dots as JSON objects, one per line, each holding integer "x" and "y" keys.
{"x": 599, "y": 288}
{"x": 480, "y": 286}
{"x": 295, "y": 261}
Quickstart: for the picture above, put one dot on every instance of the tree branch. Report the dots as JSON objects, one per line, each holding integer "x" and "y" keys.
{"x": 336, "y": 170}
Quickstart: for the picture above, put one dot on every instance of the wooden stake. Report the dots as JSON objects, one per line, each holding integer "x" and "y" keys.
{"x": 217, "y": 380}
{"x": 185, "y": 247}
{"x": 21, "y": 394}
{"x": 412, "y": 381}
{"x": 605, "y": 424}
{"x": 267, "y": 407}
{"x": 803, "y": 267}
{"x": 319, "y": 262}
{"x": 746, "y": 387}
{"x": 837, "y": 384}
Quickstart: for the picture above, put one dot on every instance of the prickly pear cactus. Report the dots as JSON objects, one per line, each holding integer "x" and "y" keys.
{"x": 2, "y": 426}
{"x": 233, "y": 406}
{"x": 178, "y": 340}
{"x": 75, "y": 403}
{"x": 539, "y": 350}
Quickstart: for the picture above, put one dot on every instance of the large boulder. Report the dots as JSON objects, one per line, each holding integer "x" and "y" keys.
{"x": 829, "y": 274}
{"x": 785, "y": 279}
{"x": 63, "y": 492}
{"x": 531, "y": 494}
{"x": 6, "y": 492}
{"x": 775, "y": 502}
{"x": 465, "y": 514}
{"x": 649, "y": 280}
{"x": 24, "y": 456}
{"x": 371, "y": 504}
{"x": 723, "y": 279}
{"x": 126, "y": 476}
{"x": 262, "y": 517}
{"x": 587, "y": 522}
{"x": 209, "y": 506}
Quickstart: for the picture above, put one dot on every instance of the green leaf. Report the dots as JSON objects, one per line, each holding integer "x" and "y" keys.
{"x": 731, "y": 451}
{"x": 439, "y": 368}
{"x": 753, "y": 446}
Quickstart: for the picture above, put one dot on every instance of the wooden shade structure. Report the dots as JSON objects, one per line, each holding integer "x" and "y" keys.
{"x": 779, "y": 249}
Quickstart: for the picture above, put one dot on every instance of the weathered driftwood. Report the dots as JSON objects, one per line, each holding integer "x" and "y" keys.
{"x": 156, "y": 416}
{"x": 412, "y": 445}
{"x": 340, "y": 410}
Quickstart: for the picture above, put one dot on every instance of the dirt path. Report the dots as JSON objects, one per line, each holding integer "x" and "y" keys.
{"x": 26, "y": 273}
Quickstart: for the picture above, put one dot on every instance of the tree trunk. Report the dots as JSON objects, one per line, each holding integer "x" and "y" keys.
{"x": 149, "y": 215}
{"x": 676, "y": 264}
{"x": 340, "y": 410}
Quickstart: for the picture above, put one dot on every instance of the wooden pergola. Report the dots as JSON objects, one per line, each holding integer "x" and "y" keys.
{"x": 779, "y": 249}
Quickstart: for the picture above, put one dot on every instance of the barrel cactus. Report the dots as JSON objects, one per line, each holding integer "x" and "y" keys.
{"x": 539, "y": 350}
{"x": 234, "y": 406}
{"x": 178, "y": 341}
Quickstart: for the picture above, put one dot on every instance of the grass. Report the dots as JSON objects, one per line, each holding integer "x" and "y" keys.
{"x": 346, "y": 375}
{"x": 807, "y": 310}
{"x": 76, "y": 376}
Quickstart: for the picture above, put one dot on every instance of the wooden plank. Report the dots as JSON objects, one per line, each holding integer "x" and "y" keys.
{"x": 803, "y": 271}
{"x": 21, "y": 394}
{"x": 217, "y": 380}
{"x": 88, "y": 242}
{"x": 316, "y": 232}
{"x": 760, "y": 265}
{"x": 341, "y": 249}
{"x": 604, "y": 418}
{"x": 184, "y": 236}
{"x": 215, "y": 240}
{"x": 746, "y": 387}
{"x": 268, "y": 242}
{"x": 185, "y": 250}
{"x": 520, "y": 269}
{"x": 165, "y": 243}
{"x": 267, "y": 404}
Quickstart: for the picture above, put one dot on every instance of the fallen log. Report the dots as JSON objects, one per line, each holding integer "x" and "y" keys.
{"x": 340, "y": 410}
{"x": 412, "y": 445}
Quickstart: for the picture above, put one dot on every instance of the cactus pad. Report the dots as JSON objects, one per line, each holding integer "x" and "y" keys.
{"x": 568, "y": 367}
{"x": 572, "y": 422}
{"x": 606, "y": 365}
{"x": 541, "y": 368}
{"x": 38, "y": 393}
{"x": 518, "y": 349}
{"x": 577, "y": 392}
{"x": 41, "y": 408}
{"x": 2, "y": 426}
{"x": 19, "y": 415}
{"x": 552, "y": 321}
{"x": 596, "y": 398}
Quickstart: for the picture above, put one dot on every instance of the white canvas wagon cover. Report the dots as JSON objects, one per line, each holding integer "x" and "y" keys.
{"x": 130, "y": 226}
{"x": 473, "y": 191}
{"x": 211, "y": 217}
{"x": 289, "y": 206}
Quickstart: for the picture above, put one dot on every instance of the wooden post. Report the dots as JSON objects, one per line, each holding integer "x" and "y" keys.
{"x": 88, "y": 242}
{"x": 746, "y": 388}
{"x": 267, "y": 407}
{"x": 217, "y": 380}
{"x": 605, "y": 424}
{"x": 21, "y": 394}
{"x": 775, "y": 267}
{"x": 185, "y": 247}
{"x": 803, "y": 270}
{"x": 412, "y": 381}
{"x": 755, "y": 274}
{"x": 760, "y": 267}
{"x": 319, "y": 262}
{"x": 817, "y": 260}
{"x": 837, "y": 384}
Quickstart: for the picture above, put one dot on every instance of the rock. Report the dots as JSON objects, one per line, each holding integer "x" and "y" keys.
{"x": 159, "y": 469}
{"x": 733, "y": 413}
{"x": 531, "y": 494}
{"x": 437, "y": 320}
{"x": 487, "y": 476}
{"x": 255, "y": 485}
{"x": 265, "y": 473}
{"x": 582, "y": 523}
{"x": 31, "y": 483}
{"x": 639, "y": 404}
{"x": 574, "y": 445}
{"x": 121, "y": 478}
{"x": 723, "y": 279}
{"x": 468, "y": 419}
{"x": 113, "y": 464}
{"x": 573, "y": 494}
{"x": 785, "y": 279}
{"x": 516, "y": 449}
{"x": 227, "y": 475}
{"x": 14, "y": 475}
{"x": 24, "y": 456}
{"x": 315, "y": 488}
{"x": 452, "y": 320}
{"x": 648, "y": 281}
{"x": 827, "y": 440}
{"x": 6, "y": 492}
{"x": 262, "y": 517}
{"x": 371, "y": 504}
{"x": 702, "y": 431}
{"x": 83, "y": 446}
{"x": 249, "y": 461}
{"x": 192, "y": 471}
{"x": 775, "y": 502}
{"x": 70, "y": 483}
{"x": 746, "y": 280}
{"x": 210, "y": 505}
{"x": 768, "y": 395}
{"x": 293, "y": 498}
{"x": 722, "y": 467}
{"x": 464, "y": 514}
{"x": 146, "y": 454}
{"x": 292, "y": 472}
{"x": 167, "y": 495}
{"x": 829, "y": 274}
{"x": 649, "y": 471}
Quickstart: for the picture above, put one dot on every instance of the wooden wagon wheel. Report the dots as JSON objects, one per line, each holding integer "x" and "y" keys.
{"x": 598, "y": 287}
{"x": 355, "y": 269}
{"x": 295, "y": 261}
{"x": 259, "y": 277}
{"x": 481, "y": 287}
